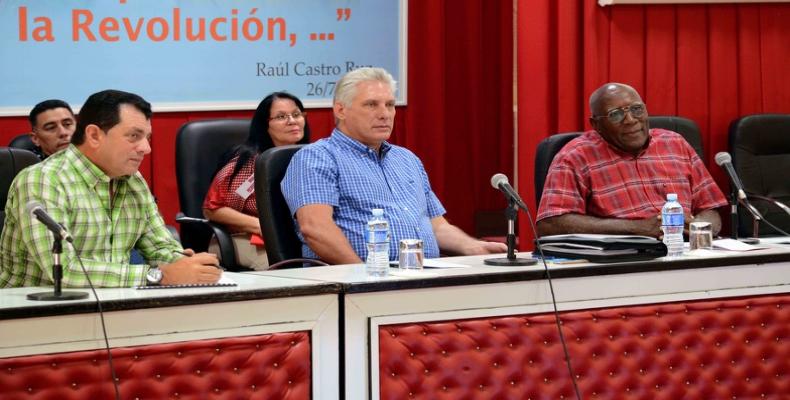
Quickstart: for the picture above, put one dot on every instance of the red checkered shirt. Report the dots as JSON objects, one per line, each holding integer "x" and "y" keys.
{"x": 589, "y": 176}
{"x": 220, "y": 194}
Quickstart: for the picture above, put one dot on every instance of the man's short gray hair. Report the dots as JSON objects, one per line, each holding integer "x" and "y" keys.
{"x": 346, "y": 88}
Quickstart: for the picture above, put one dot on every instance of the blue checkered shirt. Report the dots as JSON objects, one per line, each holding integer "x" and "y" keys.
{"x": 353, "y": 179}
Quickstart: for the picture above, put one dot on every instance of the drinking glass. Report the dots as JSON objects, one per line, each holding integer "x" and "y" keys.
{"x": 700, "y": 236}
{"x": 410, "y": 255}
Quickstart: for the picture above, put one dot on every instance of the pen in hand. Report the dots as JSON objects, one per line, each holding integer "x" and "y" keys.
{"x": 191, "y": 253}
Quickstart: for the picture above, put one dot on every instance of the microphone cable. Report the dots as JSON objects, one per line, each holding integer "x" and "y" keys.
{"x": 103, "y": 326}
{"x": 554, "y": 304}
{"x": 746, "y": 203}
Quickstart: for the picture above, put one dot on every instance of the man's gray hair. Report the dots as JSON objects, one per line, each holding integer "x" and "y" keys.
{"x": 346, "y": 88}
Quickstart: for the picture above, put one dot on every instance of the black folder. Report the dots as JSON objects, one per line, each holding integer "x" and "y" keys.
{"x": 602, "y": 248}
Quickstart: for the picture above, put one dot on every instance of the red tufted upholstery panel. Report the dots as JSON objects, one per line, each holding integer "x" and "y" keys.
{"x": 722, "y": 349}
{"x": 274, "y": 366}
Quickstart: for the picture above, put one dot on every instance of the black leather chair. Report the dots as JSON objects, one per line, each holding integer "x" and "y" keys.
{"x": 760, "y": 147}
{"x": 12, "y": 160}
{"x": 22, "y": 141}
{"x": 283, "y": 246}
{"x": 684, "y": 126}
{"x": 544, "y": 155}
{"x": 199, "y": 148}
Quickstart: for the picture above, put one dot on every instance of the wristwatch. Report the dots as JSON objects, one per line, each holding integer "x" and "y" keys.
{"x": 154, "y": 275}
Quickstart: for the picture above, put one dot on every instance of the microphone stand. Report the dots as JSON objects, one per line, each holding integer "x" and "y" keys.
{"x": 734, "y": 220}
{"x": 756, "y": 218}
{"x": 57, "y": 276}
{"x": 511, "y": 213}
{"x": 734, "y": 213}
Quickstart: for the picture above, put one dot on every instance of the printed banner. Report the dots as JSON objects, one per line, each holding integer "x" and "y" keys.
{"x": 191, "y": 55}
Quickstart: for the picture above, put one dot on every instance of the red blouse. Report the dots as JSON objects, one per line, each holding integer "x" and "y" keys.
{"x": 221, "y": 194}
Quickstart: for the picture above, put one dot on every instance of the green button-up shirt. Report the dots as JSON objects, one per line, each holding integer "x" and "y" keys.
{"x": 76, "y": 193}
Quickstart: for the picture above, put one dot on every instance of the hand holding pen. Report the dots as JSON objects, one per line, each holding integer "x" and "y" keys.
{"x": 190, "y": 253}
{"x": 193, "y": 268}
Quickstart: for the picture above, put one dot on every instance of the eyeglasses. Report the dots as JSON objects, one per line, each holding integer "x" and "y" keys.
{"x": 617, "y": 115}
{"x": 284, "y": 117}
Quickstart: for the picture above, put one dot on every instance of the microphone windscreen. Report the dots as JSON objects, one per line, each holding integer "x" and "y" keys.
{"x": 723, "y": 157}
{"x": 32, "y": 205}
{"x": 498, "y": 179}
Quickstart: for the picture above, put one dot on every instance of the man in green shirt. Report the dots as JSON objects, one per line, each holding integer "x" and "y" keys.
{"x": 93, "y": 188}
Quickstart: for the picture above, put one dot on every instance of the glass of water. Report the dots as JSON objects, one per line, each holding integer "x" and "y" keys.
{"x": 700, "y": 236}
{"x": 410, "y": 255}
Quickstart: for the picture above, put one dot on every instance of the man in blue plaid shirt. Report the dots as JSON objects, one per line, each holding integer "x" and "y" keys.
{"x": 93, "y": 188}
{"x": 332, "y": 185}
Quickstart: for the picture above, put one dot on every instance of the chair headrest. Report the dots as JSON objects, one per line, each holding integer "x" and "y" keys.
{"x": 547, "y": 149}
{"x": 282, "y": 243}
{"x": 684, "y": 126}
{"x": 12, "y": 160}
{"x": 22, "y": 141}
{"x": 200, "y": 146}
{"x": 762, "y": 134}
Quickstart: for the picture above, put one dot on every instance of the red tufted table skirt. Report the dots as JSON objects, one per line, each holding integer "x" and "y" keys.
{"x": 273, "y": 366}
{"x": 721, "y": 349}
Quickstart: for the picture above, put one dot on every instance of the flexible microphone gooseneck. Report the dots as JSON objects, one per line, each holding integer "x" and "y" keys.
{"x": 38, "y": 212}
{"x": 724, "y": 160}
{"x": 500, "y": 181}
{"x": 60, "y": 234}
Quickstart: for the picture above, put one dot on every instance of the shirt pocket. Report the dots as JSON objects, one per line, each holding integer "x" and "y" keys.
{"x": 409, "y": 190}
{"x": 363, "y": 188}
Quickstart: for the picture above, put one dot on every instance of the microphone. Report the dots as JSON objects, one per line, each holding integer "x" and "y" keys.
{"x": 724, "y": 160}
{"x": 500, "y": 181}
{"x": 37, "y": 210}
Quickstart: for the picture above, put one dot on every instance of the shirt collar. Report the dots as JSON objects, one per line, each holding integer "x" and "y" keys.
{"x": 345, "y": 140}
{"x": 85, "y": 168}
{"x": 626, "y": 154}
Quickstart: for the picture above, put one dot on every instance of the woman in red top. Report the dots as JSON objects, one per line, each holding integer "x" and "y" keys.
{"x": 279, "y": 120}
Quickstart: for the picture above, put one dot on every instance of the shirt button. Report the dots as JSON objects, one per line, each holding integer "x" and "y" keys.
{"x": 405, "y": 208}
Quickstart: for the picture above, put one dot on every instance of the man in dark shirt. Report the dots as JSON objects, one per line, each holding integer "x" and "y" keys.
{"x": 52, "y": 123}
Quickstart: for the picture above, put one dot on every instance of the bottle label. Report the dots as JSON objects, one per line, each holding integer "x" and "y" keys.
{"x": 672, "y": 219}
{"x": 377, "y": 236}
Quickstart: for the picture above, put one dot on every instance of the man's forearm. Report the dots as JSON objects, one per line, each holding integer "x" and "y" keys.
{"x": 451, "y": 239}
{"x": 578, "y": 223}
{"x": 711, "y": 216}
{"x": 332, "y": 247}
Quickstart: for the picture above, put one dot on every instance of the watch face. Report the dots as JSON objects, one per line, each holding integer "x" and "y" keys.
{"x": 154, "y": 275}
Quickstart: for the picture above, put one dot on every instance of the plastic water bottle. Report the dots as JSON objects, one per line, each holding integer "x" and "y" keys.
{"x": 378, "y": 241}
{"x": 672, "y": 225}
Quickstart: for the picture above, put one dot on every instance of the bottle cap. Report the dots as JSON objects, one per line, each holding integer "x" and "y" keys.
{"x": 377, "y": 212}
{"x": 672, "y": 197}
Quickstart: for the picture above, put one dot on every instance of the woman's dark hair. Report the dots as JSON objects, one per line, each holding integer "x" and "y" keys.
{"x": 259, "y": 139}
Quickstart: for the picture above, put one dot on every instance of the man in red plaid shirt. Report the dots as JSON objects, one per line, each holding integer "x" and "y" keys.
{"x": 615, "y": 179}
